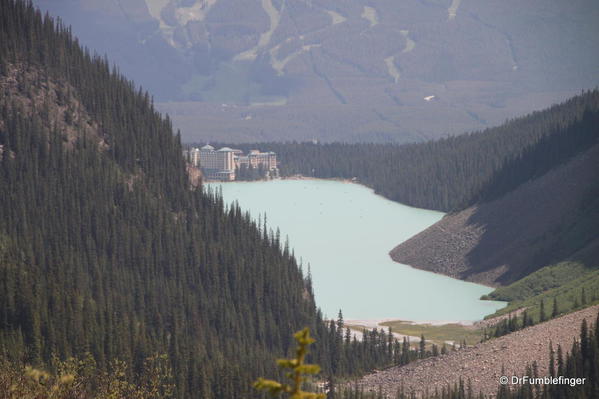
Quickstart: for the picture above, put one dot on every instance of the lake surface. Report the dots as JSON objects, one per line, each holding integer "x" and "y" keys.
{"x": 345, "y": 232}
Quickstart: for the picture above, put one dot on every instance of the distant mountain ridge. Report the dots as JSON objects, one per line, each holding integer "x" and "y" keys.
{"x": 346, "y": 71}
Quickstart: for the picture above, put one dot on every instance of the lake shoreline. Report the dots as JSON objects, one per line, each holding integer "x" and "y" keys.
{"x": 440, "y": 332}
{"x": 336, "y": 227}
{"x": 377, "y": 323}
{"x": 353, "y": 180}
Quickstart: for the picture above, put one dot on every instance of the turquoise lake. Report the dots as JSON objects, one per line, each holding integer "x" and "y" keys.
{"x": 345, "y": 232}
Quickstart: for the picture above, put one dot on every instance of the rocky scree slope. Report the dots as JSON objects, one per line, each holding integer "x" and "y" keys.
{"x": 482, "y": 364}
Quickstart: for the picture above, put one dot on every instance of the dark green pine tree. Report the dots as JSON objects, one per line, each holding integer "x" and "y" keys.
{"x": 542, "y": 315}
{"x": 555, "y": 310}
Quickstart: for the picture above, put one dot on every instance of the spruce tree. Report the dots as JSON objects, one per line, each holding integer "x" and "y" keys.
{"x": 542, "y": 315}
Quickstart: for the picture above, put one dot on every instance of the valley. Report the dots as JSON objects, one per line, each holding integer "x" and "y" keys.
{"x": 343, "y": 232}
{"x": 315, "y": 60}
{"x": 379, "y": 229}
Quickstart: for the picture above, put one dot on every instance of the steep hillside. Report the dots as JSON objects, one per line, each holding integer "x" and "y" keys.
{"x": 552, "y": 218}
{"x": 112, "y": 257}
{"x": 343, "y": 71}
{"x": 104, "y": 248}
{"x": 484, "y": 363}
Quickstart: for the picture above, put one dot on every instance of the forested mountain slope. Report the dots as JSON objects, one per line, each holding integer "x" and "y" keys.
{"x": 111, "y": 254}
{"x": 105, "y": 249}
{"x": 538, "y": 209}
{"x": 550, "y": 219}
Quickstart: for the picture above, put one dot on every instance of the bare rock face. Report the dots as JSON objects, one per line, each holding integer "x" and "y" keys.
{"x": 31, "y": 90}
{"x": 482, "y": 364}
{"x": 195, "y": 176}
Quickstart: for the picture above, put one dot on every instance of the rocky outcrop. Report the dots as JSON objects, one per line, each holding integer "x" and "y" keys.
{"x": 195, "y": 176}
{"x": 30, "y": 90}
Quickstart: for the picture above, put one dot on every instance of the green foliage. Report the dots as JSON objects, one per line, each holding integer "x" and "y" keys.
{"x": 299, "y": 370}
{"x": 569, "y": 285}
{"x": 548, "y": 293}
{"x": 105, "y": 248}
{"x": 542, "y": 280}
{"x": 245, "y": 173}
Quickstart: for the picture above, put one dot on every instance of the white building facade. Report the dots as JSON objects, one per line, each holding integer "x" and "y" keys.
{"x": 221, "y": 164}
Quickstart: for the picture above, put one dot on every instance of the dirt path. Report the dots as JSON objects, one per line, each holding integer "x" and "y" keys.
{"x": 482, "y": 363}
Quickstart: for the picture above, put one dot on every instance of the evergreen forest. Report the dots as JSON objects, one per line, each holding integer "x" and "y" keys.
{"x": 118, "y": 267}
{"x": 109, "y": 252}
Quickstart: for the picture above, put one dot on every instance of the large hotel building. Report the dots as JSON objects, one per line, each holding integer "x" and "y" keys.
{"x": 221, "y": 164}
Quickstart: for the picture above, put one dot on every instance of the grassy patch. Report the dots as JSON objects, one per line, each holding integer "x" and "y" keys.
{"x": 438, "y": 334}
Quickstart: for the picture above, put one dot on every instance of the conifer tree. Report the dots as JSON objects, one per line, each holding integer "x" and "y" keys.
{"x": 542, "y": 315}
{"x": 555, "y": 310}
{"x": 422, "y": 345}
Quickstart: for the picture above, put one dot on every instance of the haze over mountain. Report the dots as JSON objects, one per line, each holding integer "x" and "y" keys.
{"x": 346, "y": 71}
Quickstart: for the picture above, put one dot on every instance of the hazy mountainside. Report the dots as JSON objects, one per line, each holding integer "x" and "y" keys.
{"x": 539, "y": 208}
{"x": 452, "y": 173}
{"x": 346, "y": 71}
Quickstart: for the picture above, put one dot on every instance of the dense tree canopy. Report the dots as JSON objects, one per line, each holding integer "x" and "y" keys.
{"x": 106, "y": 249}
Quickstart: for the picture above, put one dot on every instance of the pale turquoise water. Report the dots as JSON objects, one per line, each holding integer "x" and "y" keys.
{"x": 345, "y": 232}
